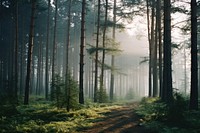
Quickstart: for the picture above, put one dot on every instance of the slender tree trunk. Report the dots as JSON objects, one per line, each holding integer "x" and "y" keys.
{"x": 113, "y": 57}
{"x": 67, "y": 78}
{"x": 47, "y": 56}
{"x": 194, "y": 65}
{"x": 150, "y": 50}
{"x": 30, "y": 50}
{"x": 97, "y": 55}
{"x": 185, "y": 72}
{"x": 103, "y": 54}
{"x": 160, "y": 45}
{"x": 155, "y": 71}
{"x": 81, "y": 95}
{"x": 54, "y": 52}
{"x": 16, "y": 56}
{"x": 167, "y": 69}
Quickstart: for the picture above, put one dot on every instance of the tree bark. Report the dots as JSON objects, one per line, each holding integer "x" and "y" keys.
{"x": 155, "y": 71}
{"x": 96, "y": 54}
{"x": 150, "y": 50}
{"x": 30, "y": 50}
{"x": 103, "y": 54}
{"x": 82, "y": 45}
{"x": 54, "y": 51}
{"x": 194, "y": 65}
{"x": 47, "y": 56}
{"x": 167, "y": 60}
{"x": 67, "y": 78}
{"x": 113, "y": 57}
{"x": 160, "y": 45}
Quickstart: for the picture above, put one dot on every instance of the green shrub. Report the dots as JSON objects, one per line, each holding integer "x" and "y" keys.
{"x": 65, "y": 95}
{"x": 152, "y": 109}
{"x": 169, "y": 118}
{"x": 102, "y": 96}
{"x": 177, "y": 109}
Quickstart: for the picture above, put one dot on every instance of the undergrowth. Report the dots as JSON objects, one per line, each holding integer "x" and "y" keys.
{"x": 174, "y": 118}
{"x": 45, "y": 118}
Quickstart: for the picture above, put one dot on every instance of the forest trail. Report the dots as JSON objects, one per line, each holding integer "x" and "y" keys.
{"x": 120, "y": 120}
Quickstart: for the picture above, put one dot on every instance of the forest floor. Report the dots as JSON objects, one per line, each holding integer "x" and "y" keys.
{"x": 119, "y": 120}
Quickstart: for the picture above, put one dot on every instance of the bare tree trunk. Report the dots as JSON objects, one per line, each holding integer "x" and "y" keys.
{"x": 81, "y": 95}
{"x": 167, "y": 59}
{"x": 97, "y": 55}
{"x": 194, "y": 65}
{"x": 155, "y": 72}
{"x": 160, "y": 45}
{"x": 150, "y": 50}
{"x": 30, "y": 50}
{"x": 16, "y": 56}
{"x": 113, "y": 57}
{"x": 47, "y": 56}
{"x": 54, "y": 51}
{"x": 103, "y": 54}
{"x": 67, "y": 78}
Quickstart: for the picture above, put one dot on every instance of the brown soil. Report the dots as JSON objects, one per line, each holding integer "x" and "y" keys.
{"x": 120, "y": 120}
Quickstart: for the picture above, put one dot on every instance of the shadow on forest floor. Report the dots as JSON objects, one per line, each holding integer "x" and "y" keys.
{"x": 120, "y": 120}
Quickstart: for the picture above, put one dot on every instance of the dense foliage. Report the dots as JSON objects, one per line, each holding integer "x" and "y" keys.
{"x": 174, "y": 118}
{"x": 63, "y": 92}
{"x": 45, "y": 118}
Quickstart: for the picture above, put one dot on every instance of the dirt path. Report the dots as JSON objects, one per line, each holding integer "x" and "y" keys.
{"x": 121, "y": 120}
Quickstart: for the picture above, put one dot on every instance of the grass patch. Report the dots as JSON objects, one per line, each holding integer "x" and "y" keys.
{"x": 175, "y": 118}
{"x": 45, "y": 118}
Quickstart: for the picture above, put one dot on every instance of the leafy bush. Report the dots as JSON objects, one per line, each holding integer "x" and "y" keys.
{"x": 176, "y": 110}
{"x": 152, "y": 109}
{"x": 169, "y": 118}
{"x": 65, "y": 95}
{"x": 102, "y": 96}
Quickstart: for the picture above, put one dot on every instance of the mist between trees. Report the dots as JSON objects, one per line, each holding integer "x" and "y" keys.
{"x": 67, "y": 51}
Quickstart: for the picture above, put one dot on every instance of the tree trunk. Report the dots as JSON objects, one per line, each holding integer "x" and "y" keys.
{"x": 30, "y": 50}
{"x": 103, "y": 54}
{"x": 67, "y": 78}
{"x": 167, "y": 68}
{"x": 96, "y": 54}
{"x": 54, "y": 52}
{"x": 47, "y": 56}
{"x": 16, "y": 56}
{"x": 155, "y": 72}
{"x": 160, "y": 45}
{"x": 81, "y": 96}
{"x": 150, "y": 50}
{"x": 113, "y": 57}
{"x": 194, "y": 65}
